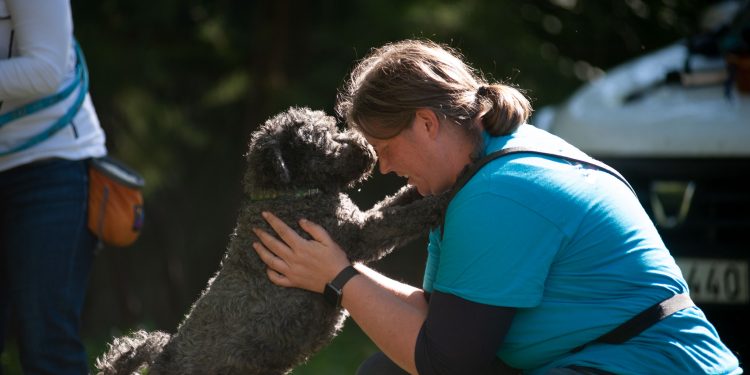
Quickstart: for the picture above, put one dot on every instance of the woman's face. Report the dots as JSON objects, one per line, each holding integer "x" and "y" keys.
{"x": 414, "y": 155}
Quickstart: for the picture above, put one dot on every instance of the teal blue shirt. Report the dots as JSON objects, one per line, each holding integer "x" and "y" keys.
{"x": 574, "y": 251}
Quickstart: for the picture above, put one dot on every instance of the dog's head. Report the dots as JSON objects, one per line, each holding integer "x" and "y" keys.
{"x": 303, "y": 149}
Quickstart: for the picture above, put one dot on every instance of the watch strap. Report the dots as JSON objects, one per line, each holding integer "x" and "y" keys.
{"x": 332, "y": 292}
{"x": 343, "y": 277}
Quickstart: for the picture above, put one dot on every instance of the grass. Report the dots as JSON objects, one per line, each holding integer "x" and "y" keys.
{"x": 342, "y": 356}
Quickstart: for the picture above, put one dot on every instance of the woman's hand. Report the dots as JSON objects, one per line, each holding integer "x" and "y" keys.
{"x": 297, "y": 262}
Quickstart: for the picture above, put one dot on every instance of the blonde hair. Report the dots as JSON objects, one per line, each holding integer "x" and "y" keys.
{"x": 387, "y": 87}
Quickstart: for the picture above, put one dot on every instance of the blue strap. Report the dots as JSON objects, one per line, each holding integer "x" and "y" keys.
{"x": 82, "y": 79}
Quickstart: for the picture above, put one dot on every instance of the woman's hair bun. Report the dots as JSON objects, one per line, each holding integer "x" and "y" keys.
{"x": 505, "y": 108}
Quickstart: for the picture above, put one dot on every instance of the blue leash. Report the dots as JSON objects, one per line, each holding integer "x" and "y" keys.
{"x": 82, "y": 79}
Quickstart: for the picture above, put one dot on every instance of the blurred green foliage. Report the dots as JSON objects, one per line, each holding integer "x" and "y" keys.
{"x": 180, "y": 84}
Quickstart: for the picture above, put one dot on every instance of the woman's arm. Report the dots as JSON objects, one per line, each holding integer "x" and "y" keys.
{"x": 388, "y": 317}
{"x": 43, "y": 36}
{"x": 413, "y": 296}
{"x": 451, "y": 335}
{"x": 390, "y": 313}
{"x": 460, "y": 336}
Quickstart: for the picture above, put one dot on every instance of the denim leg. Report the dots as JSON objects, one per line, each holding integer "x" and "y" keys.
{"x": 3, "y": 285}
{"x": 47, "y": 253}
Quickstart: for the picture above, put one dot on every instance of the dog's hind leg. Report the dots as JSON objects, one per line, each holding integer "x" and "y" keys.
{"x": 128, "y": 354}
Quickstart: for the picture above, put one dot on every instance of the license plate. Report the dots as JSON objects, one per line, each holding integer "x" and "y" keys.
{"x": 710, "y": 280}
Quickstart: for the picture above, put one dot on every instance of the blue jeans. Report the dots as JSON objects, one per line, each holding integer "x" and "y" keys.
{"x": 46, "y": 253}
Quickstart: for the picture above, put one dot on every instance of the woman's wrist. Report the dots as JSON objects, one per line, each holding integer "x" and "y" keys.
{"x": 338, "y": 263}
{"x": 334, "y": 289}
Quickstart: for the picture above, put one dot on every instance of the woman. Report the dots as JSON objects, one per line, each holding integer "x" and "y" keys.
{"x": 537, "y": 255}
{"x": 48, "y": 130}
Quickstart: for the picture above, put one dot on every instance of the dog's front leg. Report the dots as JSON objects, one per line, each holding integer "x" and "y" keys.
{"x": 390, "y": 224}
{"x": 407, "y": 194}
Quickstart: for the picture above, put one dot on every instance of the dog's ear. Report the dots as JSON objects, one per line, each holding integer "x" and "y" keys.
{"x": 282, "y": 172}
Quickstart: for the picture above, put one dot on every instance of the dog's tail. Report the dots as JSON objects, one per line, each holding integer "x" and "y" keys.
{"x": 129, "y": 354}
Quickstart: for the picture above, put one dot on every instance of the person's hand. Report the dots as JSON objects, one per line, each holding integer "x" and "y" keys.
{"x": 297, "y": 262}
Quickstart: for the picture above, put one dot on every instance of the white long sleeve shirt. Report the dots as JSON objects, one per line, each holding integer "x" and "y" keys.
{"x": 37, "y": 59}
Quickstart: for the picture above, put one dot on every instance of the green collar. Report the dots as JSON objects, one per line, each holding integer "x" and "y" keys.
{"x": 262, "y": 195}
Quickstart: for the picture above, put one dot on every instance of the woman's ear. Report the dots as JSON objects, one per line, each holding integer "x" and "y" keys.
{"x": 427, "y": 120}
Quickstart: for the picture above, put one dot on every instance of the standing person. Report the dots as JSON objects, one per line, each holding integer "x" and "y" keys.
{"x": 48, "y": 131}
{"x": 537, "y": 256}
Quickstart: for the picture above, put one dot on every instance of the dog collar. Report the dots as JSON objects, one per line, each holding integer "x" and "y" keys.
{"x": 262, "y": 195}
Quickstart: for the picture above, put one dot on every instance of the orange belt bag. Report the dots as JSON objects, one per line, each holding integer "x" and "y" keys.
{"x": 115, "y": 202}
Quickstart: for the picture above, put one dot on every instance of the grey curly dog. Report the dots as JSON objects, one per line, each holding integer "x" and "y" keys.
{"x": 298, "y": 164}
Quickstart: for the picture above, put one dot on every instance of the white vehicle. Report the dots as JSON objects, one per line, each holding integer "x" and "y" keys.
{"x": 676, "y": 124}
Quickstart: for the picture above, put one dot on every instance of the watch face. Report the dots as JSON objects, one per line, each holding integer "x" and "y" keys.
{"x": 332, "y": 295}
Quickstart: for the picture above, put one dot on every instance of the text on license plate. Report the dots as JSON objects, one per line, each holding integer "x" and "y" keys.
{"x": 716, "y": 280}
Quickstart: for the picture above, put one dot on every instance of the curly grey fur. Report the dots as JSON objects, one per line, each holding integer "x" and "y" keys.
{"x": 244, "y": 324}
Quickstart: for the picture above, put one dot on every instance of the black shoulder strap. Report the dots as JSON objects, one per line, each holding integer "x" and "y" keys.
{"x": 516, "y": 150}
{"x": 638, "y": 323}
{"x": 646, "y": 318}
{"x": 474, "y": 168}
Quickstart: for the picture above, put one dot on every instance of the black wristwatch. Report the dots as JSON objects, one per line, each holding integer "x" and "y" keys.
{"x": 334, "y": 289}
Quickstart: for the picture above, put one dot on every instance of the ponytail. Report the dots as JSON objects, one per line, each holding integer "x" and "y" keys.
{"x": 502, "y": 108}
